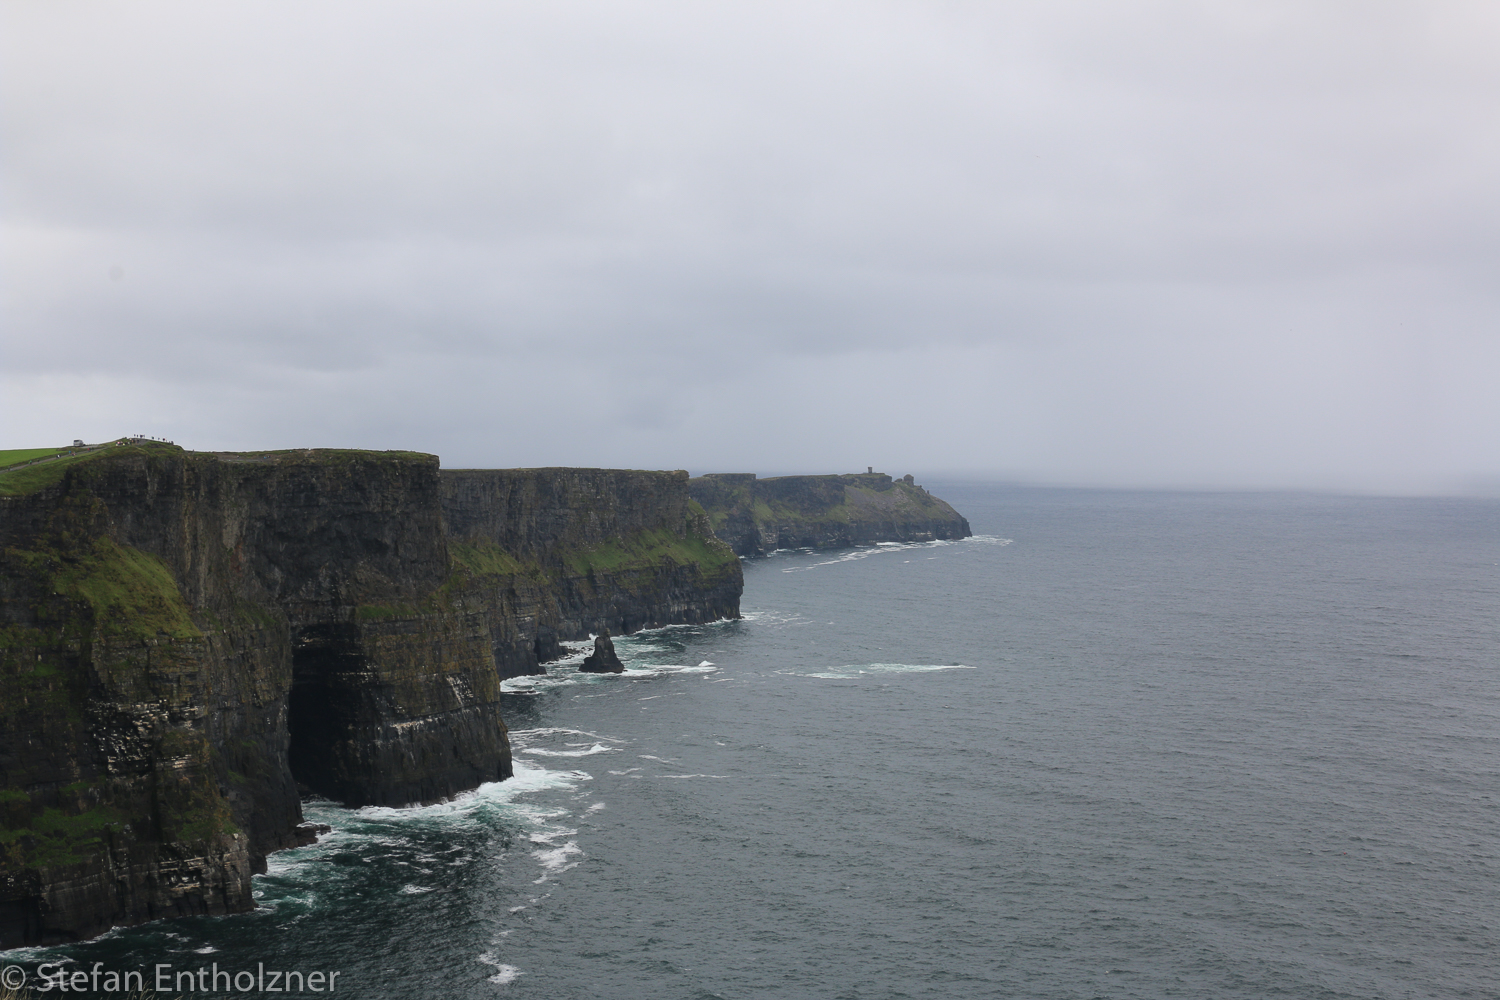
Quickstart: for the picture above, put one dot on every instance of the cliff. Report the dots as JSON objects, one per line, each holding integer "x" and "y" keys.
{"x": 756, "y": 516}
{"x": 567, "y": 552}
{"x": 189, "y": 642}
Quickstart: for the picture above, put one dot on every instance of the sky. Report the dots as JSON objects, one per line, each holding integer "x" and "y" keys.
{"x": 1202, "y": 245}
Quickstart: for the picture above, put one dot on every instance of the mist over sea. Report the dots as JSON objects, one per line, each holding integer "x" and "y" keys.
{"x": 1116, "y": 745}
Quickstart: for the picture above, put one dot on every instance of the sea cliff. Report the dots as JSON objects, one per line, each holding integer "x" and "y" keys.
{"x": 189, "y": 642}
{"x": 756, "y": 516}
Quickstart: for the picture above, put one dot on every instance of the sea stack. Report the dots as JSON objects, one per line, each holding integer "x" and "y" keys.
{"x": 603, "y": 659}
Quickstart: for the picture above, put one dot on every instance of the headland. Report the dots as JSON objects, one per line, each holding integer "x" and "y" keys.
{"x": 757, "y": 516}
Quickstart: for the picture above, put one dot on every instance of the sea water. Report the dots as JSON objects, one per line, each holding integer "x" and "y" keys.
{"x": 1115, "y": 745}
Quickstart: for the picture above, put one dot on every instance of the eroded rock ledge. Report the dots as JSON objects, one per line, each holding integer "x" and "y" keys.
{"x": 756, "y": 516}
{"x": 190, "y": 641}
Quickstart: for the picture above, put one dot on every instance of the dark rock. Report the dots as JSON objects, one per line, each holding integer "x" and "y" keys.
{"x": 603, "y": 659}
{"x": 308, "y": 833}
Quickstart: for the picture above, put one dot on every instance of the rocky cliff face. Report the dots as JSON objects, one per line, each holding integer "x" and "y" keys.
{"x": 567, "y": 552}
{"x": 756, "y": 516}
{"x": 189, "y": 641}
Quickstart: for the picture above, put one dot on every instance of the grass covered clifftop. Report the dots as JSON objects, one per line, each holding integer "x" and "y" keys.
{"x": 756, "y": 516}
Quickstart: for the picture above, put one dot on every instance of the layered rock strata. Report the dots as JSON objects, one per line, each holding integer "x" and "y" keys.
{"x": 569, "y": 552}
{"x": 756, "y": 516}
{"x": 189, "y": 642}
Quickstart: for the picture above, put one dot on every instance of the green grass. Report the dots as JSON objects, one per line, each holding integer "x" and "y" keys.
{"x": 31, "y": 478}
{"x": 485, "y": 557}
{"x": 56, "y": 838}
{"x": 133, "y": 594}
{"x": 15, "y": 456}
{"x": 648, "y": 550}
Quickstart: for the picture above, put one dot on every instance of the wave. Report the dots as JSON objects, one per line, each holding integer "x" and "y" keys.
{"x": 464, "y": 807}
{"x": 665, "y": 669}
{"x": 504, "y": 974}
{"x": 596, "y": 748}
{"x": 548, "y": 838}
{"x": 777, "y": 618}
{"x": 528, "y": 734}
{"x": 853, "y": 670}
{"x": 879, "y": 548}
{"x": 557, "y": 860}
{"x": 537, "y": 683}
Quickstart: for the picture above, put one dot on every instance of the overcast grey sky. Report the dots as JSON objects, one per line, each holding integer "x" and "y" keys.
{"x": 1214, "y": 244}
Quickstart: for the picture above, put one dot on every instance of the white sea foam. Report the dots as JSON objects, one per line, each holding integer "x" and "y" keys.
{"x": 536, "y": 683}
{"x": 556, "y": 858}
{"x": 373, "y": 831}
{"x": 645, "y": 670}
{"x": 504, "y": 974}
{"x": 776, "y": 618}
{"x": 667, "y": 630}
{"x": 548, "y": 838}
{"x": 378, "y": 827}
{"x": 850, "y": 671}
{"x": 633, "y": 671}
{"x": 507, "y": 974}
{"x": 595, "y": 749}
{"x": 525, "y": 734}
{"x": 880, "y": 548}
{"x": 527, "y": 778}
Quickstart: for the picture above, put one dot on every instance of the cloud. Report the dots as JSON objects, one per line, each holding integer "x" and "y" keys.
{"x": 1159, "y": 243}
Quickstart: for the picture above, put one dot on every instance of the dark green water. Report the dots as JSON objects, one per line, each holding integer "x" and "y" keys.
{"x": 1120, "y": 745}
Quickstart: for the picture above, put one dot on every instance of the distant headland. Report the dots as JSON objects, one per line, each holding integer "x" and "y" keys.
{"x": 757, "y": 516}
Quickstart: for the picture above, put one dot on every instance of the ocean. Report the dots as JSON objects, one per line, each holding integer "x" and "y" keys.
{"x": 1118, "y": 744}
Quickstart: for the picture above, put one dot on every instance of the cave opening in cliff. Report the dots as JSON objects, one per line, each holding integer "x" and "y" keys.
{"x": 323, "y": 710}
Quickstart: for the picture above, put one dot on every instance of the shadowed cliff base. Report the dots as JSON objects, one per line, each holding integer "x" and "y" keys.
{"x": 756, "y": 516}
{"x": 191, "y": 639}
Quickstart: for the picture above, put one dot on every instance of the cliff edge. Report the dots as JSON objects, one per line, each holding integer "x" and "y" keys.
{"x": 190, "y": 642}
{"x": 756, "y": 516}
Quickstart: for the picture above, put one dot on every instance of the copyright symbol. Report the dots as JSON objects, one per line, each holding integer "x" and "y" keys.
{"x": 13, "y": 977}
